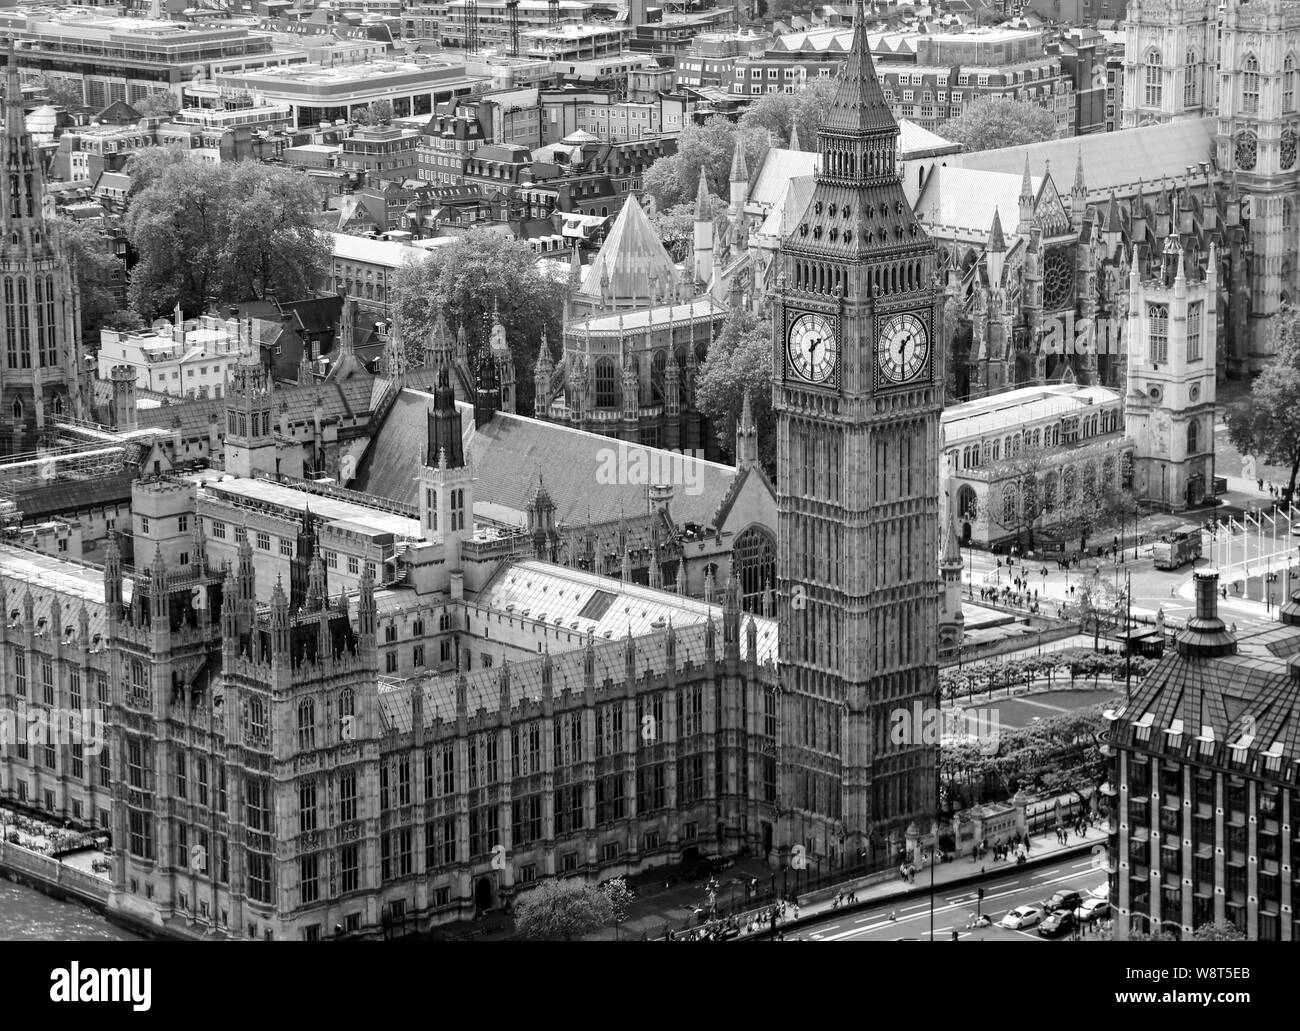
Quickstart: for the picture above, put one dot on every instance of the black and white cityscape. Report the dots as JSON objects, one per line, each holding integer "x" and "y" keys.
{"x": 489, "y": 470}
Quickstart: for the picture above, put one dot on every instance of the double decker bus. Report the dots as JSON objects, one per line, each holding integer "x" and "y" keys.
{"x": 1177, "y": 548}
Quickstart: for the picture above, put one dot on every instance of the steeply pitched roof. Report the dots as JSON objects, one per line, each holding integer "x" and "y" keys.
{"x": 1112, "y": 160}
{"x": 339, "y": 400}
{"x": 859, "y": 103}
{"x": 507, "y": 453}
{"x": 629, "y": 256}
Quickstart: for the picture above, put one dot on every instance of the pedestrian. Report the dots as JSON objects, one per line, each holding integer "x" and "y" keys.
{"x": 1260, "y": 484}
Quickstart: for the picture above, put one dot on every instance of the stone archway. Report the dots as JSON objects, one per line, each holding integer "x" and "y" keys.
{"x": 484, "y": 891}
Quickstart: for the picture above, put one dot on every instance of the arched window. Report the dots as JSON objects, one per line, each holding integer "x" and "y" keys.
{"x": 306, "y": 725}
{"x": 658, "y": 370}
{"x": 1158, "y": 315}
{"x": 1250, "y": 86}
{"x": 1048, "y": 493}
{"x": 1155, "y": 77}
{"x": 1191, "y": 80}
{"x": 18, "y": 409}
{"x": 1288, "y": 84}
{"x": 1009, "y": 505}
{"x": 1193, "y": 438}
{"x": 967, "y": 502}
{"x": 56, "y": 405}
{"x": 606, "y": 383}
{"x": 754, "y": 559}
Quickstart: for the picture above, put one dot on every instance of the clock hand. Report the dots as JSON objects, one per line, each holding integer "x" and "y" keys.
{"x": 903, "y": 346}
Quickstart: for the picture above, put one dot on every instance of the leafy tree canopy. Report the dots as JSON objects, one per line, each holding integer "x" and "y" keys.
{"x": 740, "y": 360}
{"x": 777, "y": 113}
{"x": 219, "y": 234}
{"x": 673, "y": 179}
{"x": 993, "y": 122}
{"x": 469, "y": 279}
{"x": 1268, "y": 424}
{"x": 562, "y": 910}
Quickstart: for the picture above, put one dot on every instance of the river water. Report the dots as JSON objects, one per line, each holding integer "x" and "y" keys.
{"x": 27, "y": 915}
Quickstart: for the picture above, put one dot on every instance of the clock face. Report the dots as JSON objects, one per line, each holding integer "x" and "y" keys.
{"x": 812, "y": 347}
{"x": 902, "y": 348}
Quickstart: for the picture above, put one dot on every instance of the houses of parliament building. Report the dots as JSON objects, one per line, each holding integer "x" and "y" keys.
{"x": 328, "y": 713}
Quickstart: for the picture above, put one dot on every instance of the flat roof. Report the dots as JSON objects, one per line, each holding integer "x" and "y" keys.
{"x": 333, "y": 510}
{"x": 974, "y": 419}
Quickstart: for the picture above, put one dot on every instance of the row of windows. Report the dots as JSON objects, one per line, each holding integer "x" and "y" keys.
{"x": 997, "y": 449}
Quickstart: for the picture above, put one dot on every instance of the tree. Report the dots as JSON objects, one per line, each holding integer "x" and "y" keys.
{"x": 776, "y": 113}
{"x": 676, "y": 226}
{"x": 158, "y": 104}
{"x": 378, "y": 112}
{"x": 147, "y": 166}
{"x": 63, "y": 92}
{"x": 218, "y": 234}
{"x": 271, "y": 246}
{"x": 740, "y": 360}
{"x": 562, "y": 910}
{"x": 993, "y": 122}
{"x": 98, "y": 273}
{"x": 1025, "y": 493}
{"x": 1221, "y": 931}
{"x": 1268, "y": 424}
{"x": 468, "y": 280}
{"x": 673, "y": 179}
{"x": 619, "y": 896}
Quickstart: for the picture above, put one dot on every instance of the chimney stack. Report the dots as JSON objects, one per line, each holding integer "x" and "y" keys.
{"x": 1206, "y": 635}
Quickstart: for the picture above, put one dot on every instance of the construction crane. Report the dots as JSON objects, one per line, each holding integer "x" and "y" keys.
{"x": 471, "y": 26}
{"x": 512, "y": 20}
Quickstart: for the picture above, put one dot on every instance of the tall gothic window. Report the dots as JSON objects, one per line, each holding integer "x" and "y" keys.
{"x": 754, "y": 556}
{"x": 1192, "y": 438}
{"x": 606, "y": 383}
{"x": 1155, "y": 77}
{"x": 11, "y": 324}
{"x": 1158, "y": 318}
{"x": 1191, "y": 83}
{"x": 1194, "y": 331}
{"x": 1250, "y": 86}
{"x": 1288, "y": 83}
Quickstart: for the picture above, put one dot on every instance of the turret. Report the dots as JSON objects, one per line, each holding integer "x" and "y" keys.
{"x": 996, "y": 252}
{"x": 543, "y": 375}
{"x": 444, "y": 434}
{"x": 1026, "y": 223}
{"x": 746, "y": 436}
{"x": 1079, "y": 192}
{"x": 487, "y": 393}
{"x": 439, "y": 349}
{"x": 281, "y": 636}
{"x": 739, "y": 180}
{"x": 703, "y": 233}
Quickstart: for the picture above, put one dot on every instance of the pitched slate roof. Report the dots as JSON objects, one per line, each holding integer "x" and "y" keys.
{"x": 1111, "y": 160}
{"x": 508, "y": 452}
{"x": 339, "y": 400}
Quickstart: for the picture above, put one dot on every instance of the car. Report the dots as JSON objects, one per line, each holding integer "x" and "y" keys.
{"x": 1058, "y": 923}
{"x": 1092, "y": 909}
{"x": 1064, "y": 899}
{"x": 1102, "y": 891}
{"x": 1295, "y": 529}
{"x": 1021, "y": 917}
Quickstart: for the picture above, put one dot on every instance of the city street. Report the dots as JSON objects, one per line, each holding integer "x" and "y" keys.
{"x": 954, "y": 908}
{"x": 1153, "y": 589}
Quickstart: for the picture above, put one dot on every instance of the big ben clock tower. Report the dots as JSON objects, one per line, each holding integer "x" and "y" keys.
{"x": 858, "y": 395}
